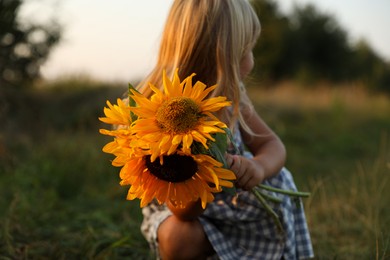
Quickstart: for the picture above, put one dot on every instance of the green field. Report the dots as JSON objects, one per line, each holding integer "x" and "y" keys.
{"x": 60, "y": 197}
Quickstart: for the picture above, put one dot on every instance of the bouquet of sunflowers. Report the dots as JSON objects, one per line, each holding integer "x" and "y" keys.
{"x": 167, "y": 144}
{"x": 171, "y": 146}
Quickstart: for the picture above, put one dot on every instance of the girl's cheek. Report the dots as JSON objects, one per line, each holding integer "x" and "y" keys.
{"x": 246, "y": 65}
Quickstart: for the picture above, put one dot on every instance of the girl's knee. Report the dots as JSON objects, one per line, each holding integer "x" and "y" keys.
{"x": 182, "y": 239}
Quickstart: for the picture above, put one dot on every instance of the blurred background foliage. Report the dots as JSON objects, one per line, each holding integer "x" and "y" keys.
{"x": 308, "y": 45}
{"x": 329, "y": 102}
{"x": 24, "y": 47}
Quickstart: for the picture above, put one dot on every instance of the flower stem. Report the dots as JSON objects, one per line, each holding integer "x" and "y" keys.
{"x": 270, "y": 211}
{"x": 269, "y": 197}
{"x": 286, "y": 192}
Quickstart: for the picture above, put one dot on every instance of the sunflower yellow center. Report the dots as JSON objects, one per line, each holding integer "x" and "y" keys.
{"x": 178, "y": 115}
{"x": 176, "y": 168}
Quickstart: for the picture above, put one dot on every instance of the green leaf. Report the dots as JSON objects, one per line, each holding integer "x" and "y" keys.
{"x": 132, "y": 102}
{"x": 231, "y": 138}
{"x": 231, "y": 191}
{"x": 221, "y": 141}
{"x": 198, "y": 148}
{"x": 218, "y": 154}
{"x": 217, "y": 149}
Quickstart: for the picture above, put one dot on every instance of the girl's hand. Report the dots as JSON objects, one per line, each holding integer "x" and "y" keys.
{"x": 249, "y": 173}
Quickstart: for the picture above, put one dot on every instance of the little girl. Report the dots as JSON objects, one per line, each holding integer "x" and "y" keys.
{"x": 214, "y": 39}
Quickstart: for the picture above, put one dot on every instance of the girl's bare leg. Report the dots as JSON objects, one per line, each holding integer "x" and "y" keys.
{"x": 181, "y": 236}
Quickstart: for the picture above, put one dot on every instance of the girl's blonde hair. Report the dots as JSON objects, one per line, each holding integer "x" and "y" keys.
{"x": 209, "y": 38}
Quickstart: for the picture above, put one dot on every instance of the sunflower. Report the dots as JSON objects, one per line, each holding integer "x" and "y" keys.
{"x": 117, "y": 114}
{"x": 177, "y": 178}
{"x": 125, "y": 143}
{"x": 167, "y": 126}
{"x": 178, "y": 116}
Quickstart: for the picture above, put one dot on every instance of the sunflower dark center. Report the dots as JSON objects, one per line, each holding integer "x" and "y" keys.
{"x": 176, "y": 168}
{"x": 178, "y": 115}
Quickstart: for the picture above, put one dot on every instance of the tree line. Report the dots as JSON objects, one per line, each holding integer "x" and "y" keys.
{"x": 305, "y": 45}
{"x": 310, "y": 45}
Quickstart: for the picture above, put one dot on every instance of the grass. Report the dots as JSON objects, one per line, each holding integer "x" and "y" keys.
{"x": 349, "y": 215}
{"x": 60, "y": 197}
{"x": 338, "y": 148}
{"x": 61, "y": 200}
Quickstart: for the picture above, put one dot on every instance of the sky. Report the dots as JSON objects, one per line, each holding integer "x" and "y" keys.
{"x": 118, "y": 40}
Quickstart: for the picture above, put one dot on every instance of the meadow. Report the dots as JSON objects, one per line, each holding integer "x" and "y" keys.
{"x": 61, "y": 198}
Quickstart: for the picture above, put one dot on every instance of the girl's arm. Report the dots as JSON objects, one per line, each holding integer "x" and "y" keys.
{"x": 269, "y": 153}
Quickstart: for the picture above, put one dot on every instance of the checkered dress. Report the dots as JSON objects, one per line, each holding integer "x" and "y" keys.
{"x": 238, "y": 227}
